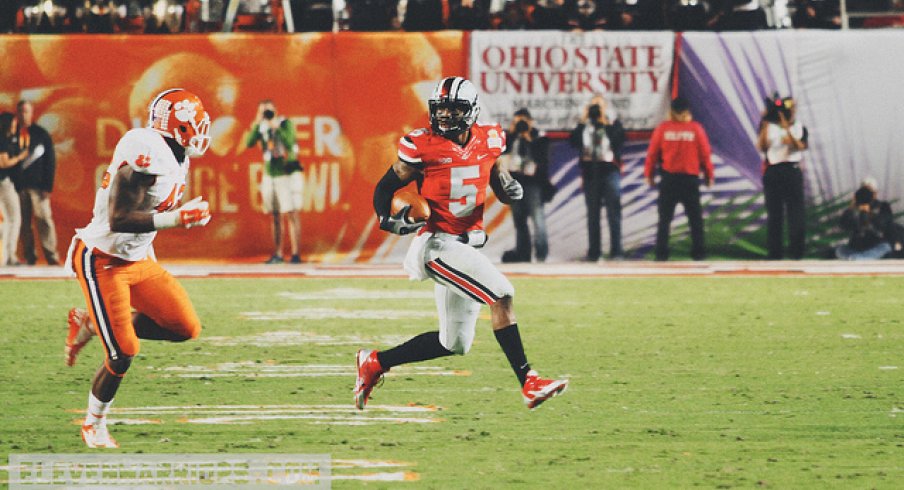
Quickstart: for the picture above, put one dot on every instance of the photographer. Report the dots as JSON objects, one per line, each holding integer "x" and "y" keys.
{"x": 281, "y": 181}
{"x": 599, "y": 137}
{"x": 526, "y": 158}
{"x": 783, "y": 140}
{"x": 870, "y": 222}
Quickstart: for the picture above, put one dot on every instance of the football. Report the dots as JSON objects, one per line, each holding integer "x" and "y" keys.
{"x": 420, "y": 211}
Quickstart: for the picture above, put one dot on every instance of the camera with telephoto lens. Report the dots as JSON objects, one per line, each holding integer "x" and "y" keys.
{"x": 269, "y": 114}
{"x": 777, "y": 106}
{"x": 594, "y": 113}
{"x": 522, "y": 127}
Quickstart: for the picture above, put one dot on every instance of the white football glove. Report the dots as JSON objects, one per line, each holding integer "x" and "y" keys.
{"x": 193, "y": 213}
{"x": 512, "y": 187}
{"x": 399, "y": 223}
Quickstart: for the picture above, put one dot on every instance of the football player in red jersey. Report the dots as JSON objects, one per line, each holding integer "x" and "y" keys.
{"x": 454, "y": 161}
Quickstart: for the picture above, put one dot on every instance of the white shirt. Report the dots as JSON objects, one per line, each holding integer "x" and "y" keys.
{"x": 779, "y": 152}
{"x": 146, "y": 152}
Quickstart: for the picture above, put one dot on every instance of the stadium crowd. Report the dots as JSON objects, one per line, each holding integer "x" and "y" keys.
{"x": 169, "y": 16}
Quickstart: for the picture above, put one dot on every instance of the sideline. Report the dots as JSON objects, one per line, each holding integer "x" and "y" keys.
{"x": 563, "y": 269}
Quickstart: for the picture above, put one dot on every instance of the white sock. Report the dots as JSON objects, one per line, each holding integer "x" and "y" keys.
{"x": 97, "y": 411}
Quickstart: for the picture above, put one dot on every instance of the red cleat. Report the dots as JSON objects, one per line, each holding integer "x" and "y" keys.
{"x": 537, "y": 390}
{"x": 369, "y": 374}
{"x": 80, "y": 333}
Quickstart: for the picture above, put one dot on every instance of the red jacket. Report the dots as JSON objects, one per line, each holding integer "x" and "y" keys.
{"x": 682, "y": 147}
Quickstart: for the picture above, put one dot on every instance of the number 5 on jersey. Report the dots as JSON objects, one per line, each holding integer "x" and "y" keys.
{"x": 462, "y": 195}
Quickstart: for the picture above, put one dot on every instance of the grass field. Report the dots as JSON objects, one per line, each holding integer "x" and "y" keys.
{"x": 683, "y": 382}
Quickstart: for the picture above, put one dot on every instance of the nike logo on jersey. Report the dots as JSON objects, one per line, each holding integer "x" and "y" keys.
{"x": 481, "y": 157}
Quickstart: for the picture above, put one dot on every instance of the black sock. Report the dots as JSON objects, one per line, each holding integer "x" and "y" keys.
{"x": 510, "y": 341}
{"x": 421, "y": 348}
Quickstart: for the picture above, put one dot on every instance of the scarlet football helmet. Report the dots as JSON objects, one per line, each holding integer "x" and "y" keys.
{"x": 179, "y": 114}
{"x": 453, "y": 106}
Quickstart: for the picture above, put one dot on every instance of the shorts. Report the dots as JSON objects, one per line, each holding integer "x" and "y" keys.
{"x": 282, "y": 193}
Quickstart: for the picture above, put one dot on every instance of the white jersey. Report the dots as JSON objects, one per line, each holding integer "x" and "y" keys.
{"x": 146, "y": 152}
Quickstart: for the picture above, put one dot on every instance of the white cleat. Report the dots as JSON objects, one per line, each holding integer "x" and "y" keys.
{"x": 97, "y": 437}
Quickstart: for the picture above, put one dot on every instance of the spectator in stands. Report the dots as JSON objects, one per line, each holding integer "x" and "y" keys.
{"x": 516, "y": 15}
{"x": 871, "y": 227}
{"x": 689, "y": 15}
{"x": 587, "y": 15}
{"x": 423, "y": 15}
{"x": 817, "y": 14}
{"x": 681, "y": 150}
{"x": 599, "y": 137}
{"x": 550, "y": 15}
{"x": 281, "y": 182}
{"x": 469, "y": 15}
{"x": 372, "y": 15}
{"x": 783, "y": 139}
{"x": 526, "y": 157}
{"x": 738, "y": 15}
{"x": 642, "y": 15}
{"x": 312, "y": 15}
{"x": 35, "y": 183}
{"x": 11, "y": 157}
{"x": 8, "y": 12}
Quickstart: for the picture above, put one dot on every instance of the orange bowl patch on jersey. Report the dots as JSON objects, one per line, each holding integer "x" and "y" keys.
{"x": 420, "y": 210}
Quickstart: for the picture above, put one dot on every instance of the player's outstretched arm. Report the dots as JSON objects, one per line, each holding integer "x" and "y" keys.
{"x": 398, "y": 176}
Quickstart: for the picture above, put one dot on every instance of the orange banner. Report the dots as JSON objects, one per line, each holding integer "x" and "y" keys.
{"x": 350, "y": 95}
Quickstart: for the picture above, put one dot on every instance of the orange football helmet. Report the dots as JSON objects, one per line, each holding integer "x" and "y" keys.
{"x": 179, "y": 114}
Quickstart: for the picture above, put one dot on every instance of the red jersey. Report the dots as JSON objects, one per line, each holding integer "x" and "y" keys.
{"x": 455, "y": 177}
{"x": 682, "y": 147}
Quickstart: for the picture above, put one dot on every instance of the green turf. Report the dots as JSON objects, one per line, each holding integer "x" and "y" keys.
{"x": 675, "y": 383}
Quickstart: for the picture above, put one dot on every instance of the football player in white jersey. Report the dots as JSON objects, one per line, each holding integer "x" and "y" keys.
{"x": 128, "y": 294}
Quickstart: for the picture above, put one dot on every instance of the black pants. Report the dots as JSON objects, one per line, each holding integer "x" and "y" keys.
{"x": 602, "y": 187}
{"x": 684, "y": 189}
{"x": 783, "y": 187}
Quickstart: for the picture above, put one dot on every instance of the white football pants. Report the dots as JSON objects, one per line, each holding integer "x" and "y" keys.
{"x": 465, "y": 279}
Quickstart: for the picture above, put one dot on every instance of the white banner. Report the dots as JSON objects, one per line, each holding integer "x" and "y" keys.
{"x": 555, "y": 74}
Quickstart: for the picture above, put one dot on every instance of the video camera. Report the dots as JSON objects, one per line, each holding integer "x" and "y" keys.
{"x": 776, "y": 106}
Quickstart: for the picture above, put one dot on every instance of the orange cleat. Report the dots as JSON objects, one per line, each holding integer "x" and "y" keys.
{"x": 369, "y": 374}
{"x": 537, "y": 390}
{"x": 80, "y": 333}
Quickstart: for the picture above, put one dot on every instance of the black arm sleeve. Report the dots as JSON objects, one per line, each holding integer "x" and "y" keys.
{"x": 496, "y": 185}
{"x": 384, "y": 191}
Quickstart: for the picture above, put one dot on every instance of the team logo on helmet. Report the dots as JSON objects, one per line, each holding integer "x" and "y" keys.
{"x": 179, "y": 114}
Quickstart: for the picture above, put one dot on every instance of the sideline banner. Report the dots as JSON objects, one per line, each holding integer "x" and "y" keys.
{"x": 350, "y": 96}
{"x": 555, "y": 74}
{"x": 847, "y": 86}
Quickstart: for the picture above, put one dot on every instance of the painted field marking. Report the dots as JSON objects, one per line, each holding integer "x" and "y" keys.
{"x": 270, "y": 369}
{"x": 850, "y": 336}
{"x": 356, "y": 294}
{"x": 294, "y": 337}
{"x": 887, "y": 368}
{"x": 336, "y": 313}
{"x": 249, "y": 414}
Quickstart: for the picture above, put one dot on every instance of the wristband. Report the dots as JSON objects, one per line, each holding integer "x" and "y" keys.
{"x": 169, "y": 219}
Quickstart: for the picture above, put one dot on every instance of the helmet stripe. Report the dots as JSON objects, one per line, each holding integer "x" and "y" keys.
{"x": 447, "y": 87}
